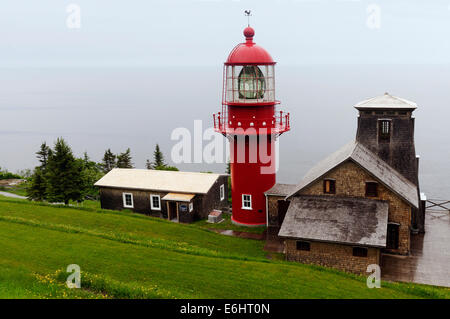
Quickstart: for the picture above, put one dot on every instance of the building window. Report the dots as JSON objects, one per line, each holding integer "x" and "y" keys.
{"x": 359, "y": 252}
{"x": 371, "y": 189}
{"x": 384, "y": 130}
{"x": 222, "y": 192}
{"x": 191, "y": 207}
{"x": 392, "y": 236}
{"x": 128, "y": 200}
{"x": 329, "y": 186}
{"x": 155, "y": 202}
{"x": 303, "y": 245}
{"x": 246, "y": 201}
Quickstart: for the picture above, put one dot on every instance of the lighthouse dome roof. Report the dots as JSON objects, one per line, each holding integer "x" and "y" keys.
{"x": 249, "y": 52}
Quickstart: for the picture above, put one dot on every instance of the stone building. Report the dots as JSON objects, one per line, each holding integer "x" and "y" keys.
{"x": 177, "y": 196}
{"x": 359, "y": 202}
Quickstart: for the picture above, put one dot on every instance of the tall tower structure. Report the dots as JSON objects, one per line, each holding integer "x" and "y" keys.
{"x": 251, "y": 123}
{"x": 386, "y": 127}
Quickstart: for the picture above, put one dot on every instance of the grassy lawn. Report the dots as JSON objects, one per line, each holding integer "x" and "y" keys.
{"x": 126, "y": 255}
{"x": 227, "y": 224}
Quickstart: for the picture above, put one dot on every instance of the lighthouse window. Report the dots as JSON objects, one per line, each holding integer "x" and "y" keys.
{"x": 251, "y": 83}
{"x": 384, "y": 128}
{"x": 246, "y": 201}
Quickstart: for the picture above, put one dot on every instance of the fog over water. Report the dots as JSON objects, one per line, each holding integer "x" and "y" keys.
{"x": 99, "y": 108}
{"x": 132, "y": 72}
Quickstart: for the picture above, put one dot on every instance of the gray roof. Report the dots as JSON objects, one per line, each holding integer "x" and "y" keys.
{"x": 345, "y": 220}
{"x": 280, "y": 189}
{"x": 386, "y": 101}
{"x": 156, "y": 180}
{"x": 370, "y": 162}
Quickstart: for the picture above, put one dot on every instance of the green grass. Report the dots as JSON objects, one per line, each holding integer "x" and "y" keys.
{"x": 227, "y": 224}
{"x": 126, "y": 255}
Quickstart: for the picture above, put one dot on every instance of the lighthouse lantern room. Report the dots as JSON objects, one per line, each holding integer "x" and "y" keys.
{"x": 251, "y": 123}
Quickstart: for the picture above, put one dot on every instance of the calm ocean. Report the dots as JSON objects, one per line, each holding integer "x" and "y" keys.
{"x": 96, "y": 109}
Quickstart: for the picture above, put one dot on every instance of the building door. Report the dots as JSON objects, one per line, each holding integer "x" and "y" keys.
{"x": 392, "y": 236}
{"x": 282, "y": 209}
{"x": 172, "y": 211}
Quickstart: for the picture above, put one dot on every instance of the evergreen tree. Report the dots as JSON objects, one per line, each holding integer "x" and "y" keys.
{"x": 91, "y": 173}
{"x": 158, "y": 157}
{"x": 64, "y": 175}
{"x": 38, "y": 186}
{"x": 37, "y": 189}
{"x": 166, "y": 168}
{"x": 124, "y": 160}
{"x": 43, "y": 154}
{"x": 109, "y": 161}
{"x": 228, "y": 170}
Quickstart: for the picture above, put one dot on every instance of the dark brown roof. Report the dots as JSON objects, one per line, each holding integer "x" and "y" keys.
{"x": 345, "y": 220}
{"x": 363, "y": 157}
{"x": 280, "y": 189}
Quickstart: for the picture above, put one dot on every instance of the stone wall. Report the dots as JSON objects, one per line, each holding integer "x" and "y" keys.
{"x": 351, "y": 181}
{"x": 332, "y": 255}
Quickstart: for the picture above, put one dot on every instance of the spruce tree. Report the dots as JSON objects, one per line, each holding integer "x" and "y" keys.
{"x": 124, "y": 160}
{"x": 91, "y": 173}
{"x": 158, "y": 157}
{"x": 228, "y": 170}
{"x": 64, "y": 175}
{"x": 38, "y": 186}
{"x": 109, "y": 161}
{"x": 43, "y": 154}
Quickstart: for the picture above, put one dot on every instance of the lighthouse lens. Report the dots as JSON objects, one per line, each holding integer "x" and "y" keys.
{"x": 251, "y": 83}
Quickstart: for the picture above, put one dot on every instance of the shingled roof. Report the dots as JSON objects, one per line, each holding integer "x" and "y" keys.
{"x": 370, "y": 162}
{"x": 345, "y": 220}
{"x": 156, "y": 180}
{"x": 386, "y": 101}
{"x": 280, "y": 189}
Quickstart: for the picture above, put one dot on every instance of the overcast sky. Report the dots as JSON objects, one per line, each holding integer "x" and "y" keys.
{"x": 202, "y": 32}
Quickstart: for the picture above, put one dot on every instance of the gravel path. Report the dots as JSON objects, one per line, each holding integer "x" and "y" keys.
{"x": 12, "y": 195}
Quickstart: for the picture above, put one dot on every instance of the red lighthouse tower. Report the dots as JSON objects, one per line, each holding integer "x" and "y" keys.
{"x": 251, "y": 123}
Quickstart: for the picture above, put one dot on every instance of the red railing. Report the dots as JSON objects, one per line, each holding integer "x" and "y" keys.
{"x": 277, "y": 124}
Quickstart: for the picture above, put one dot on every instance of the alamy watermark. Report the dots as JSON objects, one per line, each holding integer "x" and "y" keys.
{"x": 374, "y": 279}
{"x": 73, "y": 20}
{"x": 374, "y": 16}
{"x": 74, "y": 279}
{"x": 249, "y": 145}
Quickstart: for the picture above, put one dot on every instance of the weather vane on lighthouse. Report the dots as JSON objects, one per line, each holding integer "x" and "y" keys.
{"x": 248, "y": 14}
